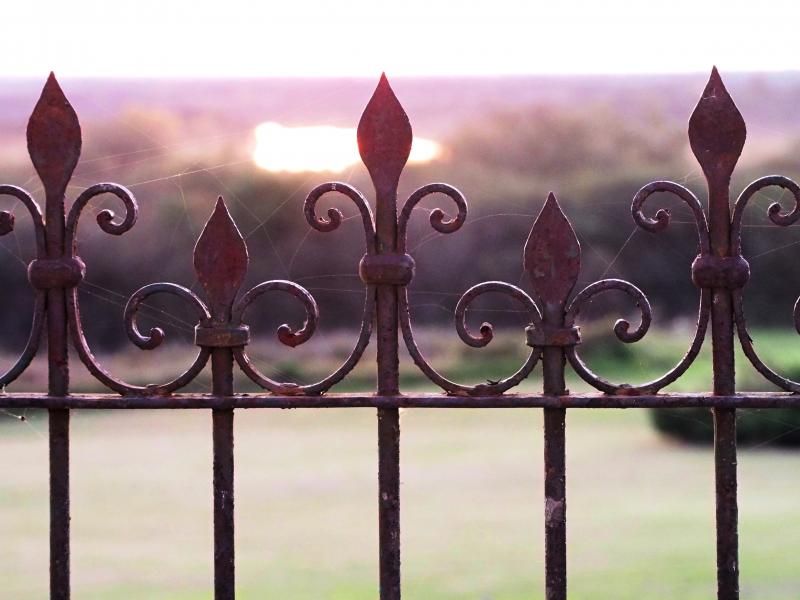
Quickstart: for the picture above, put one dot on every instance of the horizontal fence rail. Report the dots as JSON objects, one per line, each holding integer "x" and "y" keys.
{"x": 551, "y": 259}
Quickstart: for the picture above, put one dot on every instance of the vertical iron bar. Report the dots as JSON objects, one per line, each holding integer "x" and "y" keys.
{"x": 727, "y": 506}
{"x": 717, "y": 133}
{"x": 54, "y": 146}
{"x": 389, "y": 503}
{"x": 384, "y": 142}
{"x": 59, "y": 504}
{"x": 388, "y": 385}
{"x": 220, "y": 262}
{"x": 222, "y": 419}
{"x": 724, "y": 418}
{"x": 388, "y": 418}
{"x": 552, "y": 260}
{"x": 58, "y": 385}
{"x": 555, "y": 479}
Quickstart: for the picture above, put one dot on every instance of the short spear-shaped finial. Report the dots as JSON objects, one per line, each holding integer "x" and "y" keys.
{"x": 220, "y": 260}
{"x": 552, "y": 255}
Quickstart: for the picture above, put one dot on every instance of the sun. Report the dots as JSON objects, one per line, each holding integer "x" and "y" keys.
{"x": 322, "y": 148}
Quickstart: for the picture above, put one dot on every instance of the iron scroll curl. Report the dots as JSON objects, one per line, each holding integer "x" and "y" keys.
{"x": 657, "y": 224}
{"x": 106, "y": 221}
{"x": 286, "y": 334}
{"x": 780, "y": 218}
{"x": 7, "y": 223}
{"x": 445, "y": 226}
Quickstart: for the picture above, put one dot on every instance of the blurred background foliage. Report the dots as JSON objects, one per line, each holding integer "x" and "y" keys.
{"x": 505, "y": 143}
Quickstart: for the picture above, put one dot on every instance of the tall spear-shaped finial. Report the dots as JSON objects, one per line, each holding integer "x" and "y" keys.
{"x": 384, "y": 136}
{"x": 54, "y": 138}
{"x": 717, "y": 130}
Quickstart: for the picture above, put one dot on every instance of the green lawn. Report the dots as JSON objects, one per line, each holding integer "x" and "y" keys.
{"x": 640, "y": 514}
{"x": 640, "y": 508}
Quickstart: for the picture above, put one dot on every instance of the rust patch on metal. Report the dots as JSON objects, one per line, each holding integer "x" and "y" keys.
{"x": 552, "y": 336}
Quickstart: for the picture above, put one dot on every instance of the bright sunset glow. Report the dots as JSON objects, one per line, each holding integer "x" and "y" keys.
{"x": 319, "y": 148}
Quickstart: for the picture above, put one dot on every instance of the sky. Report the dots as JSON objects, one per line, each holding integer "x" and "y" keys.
{"x": 237, "y": 38}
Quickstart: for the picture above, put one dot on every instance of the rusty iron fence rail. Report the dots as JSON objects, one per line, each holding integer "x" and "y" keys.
{"x": 551, "y": 259}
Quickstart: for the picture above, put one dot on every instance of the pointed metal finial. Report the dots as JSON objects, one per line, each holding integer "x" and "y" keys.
{"x": 552, "y": 255}
{"x": 384, "y": 136}
{"x": 54, "y": 138}
{"x": 220, "y": 260}
{"x": 717, "y": 130}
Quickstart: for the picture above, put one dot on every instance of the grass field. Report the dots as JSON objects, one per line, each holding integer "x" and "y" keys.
{"x": 640, "y": 514}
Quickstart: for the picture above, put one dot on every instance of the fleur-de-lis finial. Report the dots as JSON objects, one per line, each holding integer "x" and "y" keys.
{"x": 384, "y": 136}
{"x": 552, "y": 255}
{"x": 717, "y": 130}
{"x": 220, "y": 261}
{"x": 54, "y": 138}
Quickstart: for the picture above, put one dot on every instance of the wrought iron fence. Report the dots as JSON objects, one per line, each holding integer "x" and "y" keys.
{"x": 551, "y": 259}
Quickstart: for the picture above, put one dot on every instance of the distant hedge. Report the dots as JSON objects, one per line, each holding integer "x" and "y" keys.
{"x": 774, "y": 427}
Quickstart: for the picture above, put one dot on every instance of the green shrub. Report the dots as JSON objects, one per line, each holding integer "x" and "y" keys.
{"x": 778, "y": 427}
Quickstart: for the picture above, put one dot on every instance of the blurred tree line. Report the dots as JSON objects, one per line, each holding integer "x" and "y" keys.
{"x": 594, "y": 158}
